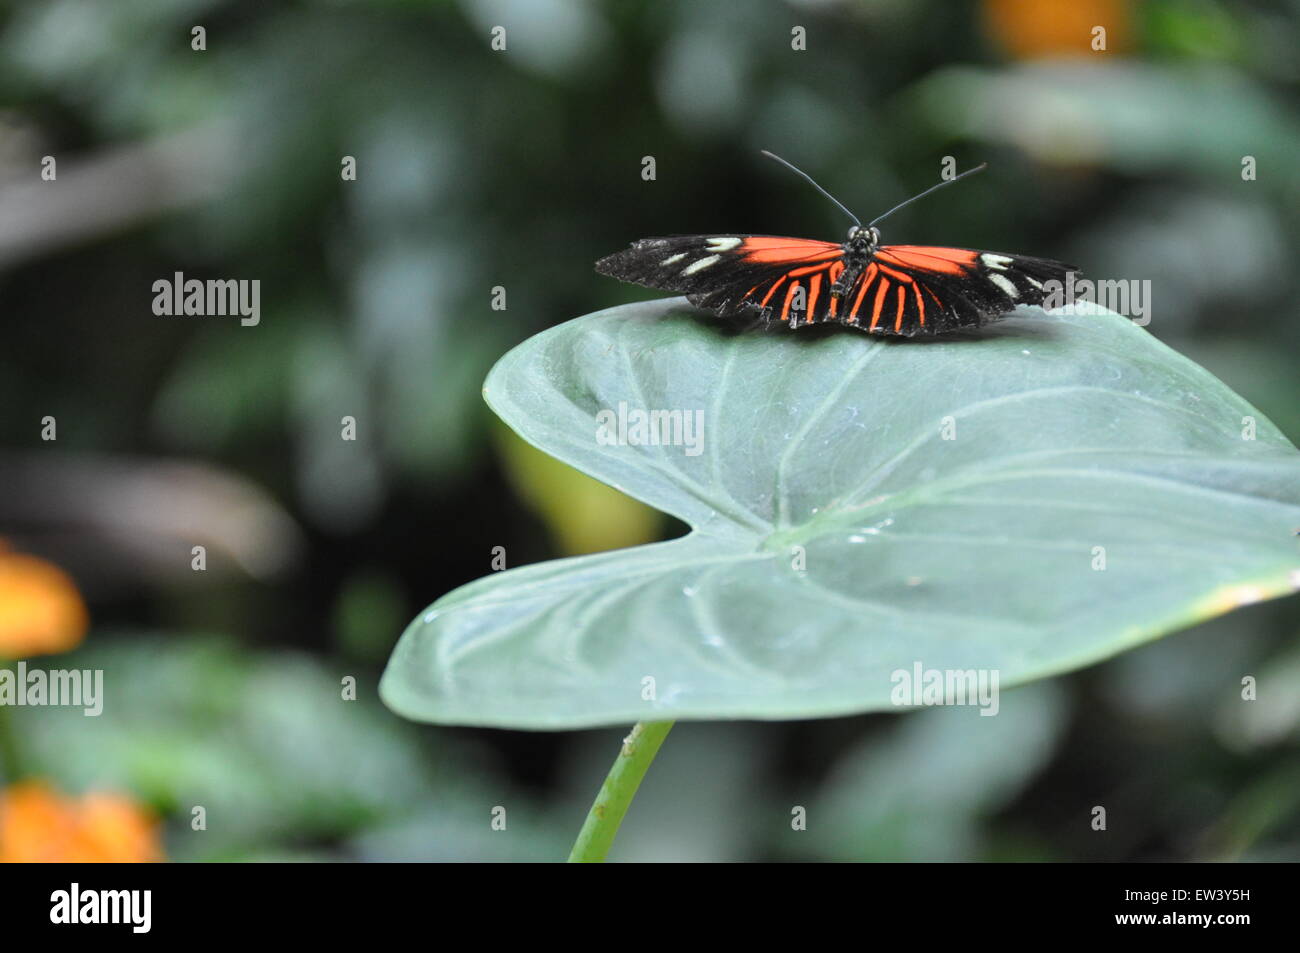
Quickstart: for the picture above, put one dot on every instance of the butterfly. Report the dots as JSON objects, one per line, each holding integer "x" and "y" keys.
{"x": 896, "y": 290}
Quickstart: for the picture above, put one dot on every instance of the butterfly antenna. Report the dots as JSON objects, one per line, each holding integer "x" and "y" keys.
{"x": 798, "y": 171}
{"x": 957, "y": 178}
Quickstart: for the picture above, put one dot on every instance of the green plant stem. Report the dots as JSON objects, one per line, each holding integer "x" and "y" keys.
{"x": 598, "y": 831}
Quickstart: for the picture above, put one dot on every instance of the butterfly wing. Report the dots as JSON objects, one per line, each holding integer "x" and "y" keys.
{"x": 902, "y": 290}
{"x": 757, "y": 276}
{"x": 914, "y": 290}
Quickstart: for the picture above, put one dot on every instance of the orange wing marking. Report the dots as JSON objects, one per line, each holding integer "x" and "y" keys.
{"x": 814, "y": 286}
{"x": 879, "y": 302}
{"x": 771, "y": 291}
{"x": 948, "y": 261}
{"x": 785, "y": 308}
{"x": 770, "y": 251}
{"x": 800, "y": 272}
{"x": 868, "y": 276}
{"x": 937, "y": 300}
{"x": 897, "y": 275}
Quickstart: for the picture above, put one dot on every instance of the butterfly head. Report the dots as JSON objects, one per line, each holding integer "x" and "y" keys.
{"x": 866, "y": 237}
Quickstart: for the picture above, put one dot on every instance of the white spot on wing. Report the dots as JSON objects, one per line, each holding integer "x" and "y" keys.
{"x": 700, "y": 265}
{"x": 678, "y": 257}
{"x": 999, "y": 262}
{"x": 1037, "y": 284}
{"x": 1005, "y": 284}
{"x": 723, "y": 244}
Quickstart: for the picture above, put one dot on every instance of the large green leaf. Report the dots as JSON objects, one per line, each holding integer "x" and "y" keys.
{"x": 951, "y": 501}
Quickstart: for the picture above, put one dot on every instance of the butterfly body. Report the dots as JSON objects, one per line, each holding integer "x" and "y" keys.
{"x": 896, "y": 290}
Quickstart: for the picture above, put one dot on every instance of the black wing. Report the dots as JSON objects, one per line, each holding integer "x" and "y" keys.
{"x": 764, "y": 276}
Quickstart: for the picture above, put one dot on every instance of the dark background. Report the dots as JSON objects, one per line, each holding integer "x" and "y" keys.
{"x": 518, "y": 169}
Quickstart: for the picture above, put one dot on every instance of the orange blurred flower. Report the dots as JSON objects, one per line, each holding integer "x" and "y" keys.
{"x": 41, "y": 611}
{"x": 39, "y": 825}
{"x": 1031, "y": 29}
